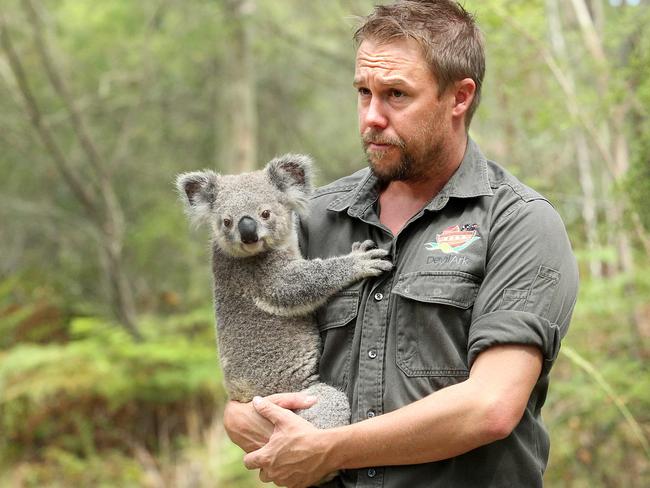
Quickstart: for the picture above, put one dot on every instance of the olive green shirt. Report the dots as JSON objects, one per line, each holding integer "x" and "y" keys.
{"x": 487, "y": 261}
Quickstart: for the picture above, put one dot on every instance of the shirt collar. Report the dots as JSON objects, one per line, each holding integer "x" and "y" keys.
{"x": 469, "y": 180}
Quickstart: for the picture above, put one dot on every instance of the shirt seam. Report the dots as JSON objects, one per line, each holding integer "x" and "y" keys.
{"x": 485, "y": 178}
{"x": 328, "y": 191}
{"x": 516, "y": 189}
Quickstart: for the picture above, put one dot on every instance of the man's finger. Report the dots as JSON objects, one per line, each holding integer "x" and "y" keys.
{"x": 253, "y": 460}
{"x": 264, "y": 478}
{"x": 292, "y": 401}
{"x": 270, "y": 411}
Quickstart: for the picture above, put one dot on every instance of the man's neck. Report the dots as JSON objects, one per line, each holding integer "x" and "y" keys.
{"x": 401, "y": 200}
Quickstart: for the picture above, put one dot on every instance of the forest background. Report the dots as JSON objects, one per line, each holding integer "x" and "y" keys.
{"x": 108, "y": 372}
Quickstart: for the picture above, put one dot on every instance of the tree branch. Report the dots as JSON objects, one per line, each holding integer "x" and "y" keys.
{"x": 80, "y": 191}
{"x": 592, "y": 41}
{"x": 60, "y": 88}
{"x": 107, "y": 216}
{"x": 113, "y": 221}
{"x": 569, "y": 90}
{"x": 119, "y": 150}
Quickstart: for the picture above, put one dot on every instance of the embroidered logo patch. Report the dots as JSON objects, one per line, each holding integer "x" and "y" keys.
{"x": 454, "y": 239}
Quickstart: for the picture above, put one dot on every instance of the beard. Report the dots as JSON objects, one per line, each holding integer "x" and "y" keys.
{"x": 413, "y": 163}
{"x": 385, "y": 173}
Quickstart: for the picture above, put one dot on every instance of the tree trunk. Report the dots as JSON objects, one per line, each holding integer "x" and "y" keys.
{"x": 613, "y": 131}
{"x": 239, "y": 143}
{"x": 95, "y": 193}
{"x": 583, "y": 155}
{"x": 120, "y": 290}
{"x": 589, "y": 213}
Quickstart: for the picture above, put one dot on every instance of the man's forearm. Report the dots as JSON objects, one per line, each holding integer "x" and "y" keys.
{"x": 447, "y": 423}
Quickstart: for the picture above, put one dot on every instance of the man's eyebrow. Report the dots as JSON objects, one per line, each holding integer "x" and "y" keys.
{"x": 391, "y": 81}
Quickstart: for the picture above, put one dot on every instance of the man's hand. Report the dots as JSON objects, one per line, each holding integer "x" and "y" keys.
{"x": 295, "y": 455}
{"x": 248, "y": 429}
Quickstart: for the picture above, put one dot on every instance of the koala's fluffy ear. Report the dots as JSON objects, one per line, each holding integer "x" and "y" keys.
{"x": 292, "y": 174}
{"x": 198, "y": 190}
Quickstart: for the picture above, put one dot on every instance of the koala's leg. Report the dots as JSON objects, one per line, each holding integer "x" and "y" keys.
{"x": 331, "y": 410}
{"x": 303, "y": 285}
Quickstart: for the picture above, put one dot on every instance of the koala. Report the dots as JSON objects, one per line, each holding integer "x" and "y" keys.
{"x": 264, "y": 291}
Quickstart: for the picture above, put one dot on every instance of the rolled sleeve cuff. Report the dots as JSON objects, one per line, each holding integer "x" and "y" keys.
{"x": 514, "y": 327}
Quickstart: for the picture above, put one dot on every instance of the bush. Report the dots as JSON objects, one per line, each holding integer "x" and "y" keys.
{"x": 101, "y": 392}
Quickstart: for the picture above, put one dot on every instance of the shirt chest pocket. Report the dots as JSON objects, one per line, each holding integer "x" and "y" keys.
{"x": 431, "y": 313}
{"x": 336, "y": 326}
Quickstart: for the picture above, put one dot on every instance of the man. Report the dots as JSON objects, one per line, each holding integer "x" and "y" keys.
{"x": 446, "y": 358}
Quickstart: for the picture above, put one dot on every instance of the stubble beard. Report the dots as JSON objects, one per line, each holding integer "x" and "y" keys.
{"x": 411, "y": 165}
{"x": 390, "y": 172}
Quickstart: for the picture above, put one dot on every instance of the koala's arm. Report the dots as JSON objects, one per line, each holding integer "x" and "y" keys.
{"x": 303, "y": 285}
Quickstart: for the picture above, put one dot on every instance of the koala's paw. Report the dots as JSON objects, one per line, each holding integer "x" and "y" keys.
{"x": 370, "y": 261}
{"x": 361, "y": 247}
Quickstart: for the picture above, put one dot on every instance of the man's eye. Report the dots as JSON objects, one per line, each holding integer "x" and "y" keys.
{"x": 364, "y": 92}
{"x": 397, "y": 93}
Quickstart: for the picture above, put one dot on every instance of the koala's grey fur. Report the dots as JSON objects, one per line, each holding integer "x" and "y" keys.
{"x": 264, "y": 292}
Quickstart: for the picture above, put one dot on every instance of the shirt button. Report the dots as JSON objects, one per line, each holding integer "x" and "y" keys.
{"x": 379, "y": 297}
{"x": 372, "y": 473}
{"x": 372, "y": 354}
{"x": 371, "y": 414}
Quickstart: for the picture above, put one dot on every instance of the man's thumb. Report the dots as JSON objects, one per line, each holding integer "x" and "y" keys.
{"x": 270, "y": 411}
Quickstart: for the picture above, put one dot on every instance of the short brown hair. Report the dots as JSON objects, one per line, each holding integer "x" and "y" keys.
{"x": 450, "y": 40}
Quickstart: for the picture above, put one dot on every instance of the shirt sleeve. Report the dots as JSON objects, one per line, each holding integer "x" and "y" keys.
{"x": 530, "y": 285}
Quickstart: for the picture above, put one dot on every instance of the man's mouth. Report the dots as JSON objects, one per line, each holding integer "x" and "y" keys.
{"x": 375, "y": 146}
{"x": 374, "y": 141}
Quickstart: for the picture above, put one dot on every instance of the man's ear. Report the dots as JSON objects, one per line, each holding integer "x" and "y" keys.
{"x": 292, "y": 174}
{"x": 464, "y": 92}
{"x": 198, "y": 191}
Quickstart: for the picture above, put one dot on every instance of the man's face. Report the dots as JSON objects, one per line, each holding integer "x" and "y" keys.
{"x": 402, "y": 122}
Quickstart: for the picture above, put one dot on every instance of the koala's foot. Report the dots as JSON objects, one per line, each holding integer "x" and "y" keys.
{"x": 370, "y": 261}
{"x": 331, "y": 409}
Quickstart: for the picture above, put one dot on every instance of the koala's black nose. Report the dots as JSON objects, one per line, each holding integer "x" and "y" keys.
{"x": 248, "y": 230}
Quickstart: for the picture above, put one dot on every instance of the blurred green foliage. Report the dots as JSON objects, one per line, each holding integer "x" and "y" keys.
{"x": 82, "y": 404}
{"x": 96, "y": 390}
{"x": 592, "y": 443}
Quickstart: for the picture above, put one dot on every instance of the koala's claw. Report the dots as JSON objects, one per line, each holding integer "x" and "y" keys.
{"x": 371, "y": 261}
{"x": 377, "y": 267}
{"x": 375, "y": 254}
{"x": 364, "y": 246}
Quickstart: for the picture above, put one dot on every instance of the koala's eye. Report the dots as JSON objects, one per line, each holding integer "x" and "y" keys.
{"x": 227, "y": 222}
{"x": 266, "y": 214}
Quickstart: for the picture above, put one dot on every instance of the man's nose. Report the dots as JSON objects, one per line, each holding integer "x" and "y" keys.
{"x": 373, "y": 115}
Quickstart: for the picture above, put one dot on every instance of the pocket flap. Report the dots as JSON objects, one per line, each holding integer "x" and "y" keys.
{"x": 339, "y": 310}
{"x": 446, "y": 287}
